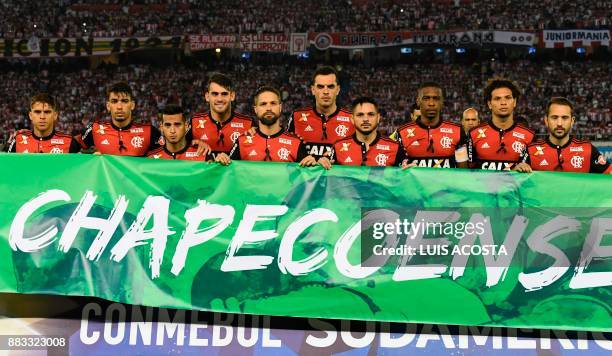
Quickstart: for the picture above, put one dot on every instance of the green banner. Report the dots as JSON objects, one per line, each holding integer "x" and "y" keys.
{"x": 421, "y": 245}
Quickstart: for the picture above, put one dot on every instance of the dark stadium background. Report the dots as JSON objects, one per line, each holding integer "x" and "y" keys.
{"x": 162, "y": 76}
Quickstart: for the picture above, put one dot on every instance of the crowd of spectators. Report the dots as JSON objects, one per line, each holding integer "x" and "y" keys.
{"x": 76, "y": 18}
{"x": 81, "y": 92}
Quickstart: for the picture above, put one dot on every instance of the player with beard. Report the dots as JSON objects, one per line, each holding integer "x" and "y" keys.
{"x": 431, "y": 141}
{"x": 121, "y": 135}
{"x": 270, "y": 142}
{"x": 499, "y": 143}
{"x": 43, "y": 138}
{"x": 325, "y": 123}
{"x": 560, "y": 151}
{"x": 176, "y": 145}
{"x": 366, "y": 147}
{"x": 221, "y": 125}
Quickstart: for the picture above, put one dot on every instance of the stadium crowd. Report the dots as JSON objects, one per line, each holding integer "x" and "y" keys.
{"x": 81, "y": 93}
{"x": 70, "y": 18}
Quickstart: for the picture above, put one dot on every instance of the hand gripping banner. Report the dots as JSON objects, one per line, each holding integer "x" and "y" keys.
{"x": 421, "y": 245}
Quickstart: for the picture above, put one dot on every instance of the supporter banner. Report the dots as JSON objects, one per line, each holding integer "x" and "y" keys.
{"x": 80, "y": 47}
{"x": 323, "y": 41}
{"x": 575, "y": 38}
{"x": 245, "y": 42}
{"x": 355, "y": 40}
{"x": 473, "y": 38}
{"x": 78, "y": 326}
{"x": 275, "y": 239}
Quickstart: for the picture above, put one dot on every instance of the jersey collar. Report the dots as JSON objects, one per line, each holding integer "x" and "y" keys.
{"x": 121, "y": 128}
{"x": 420, "y": 122}
{"x": 376, "y": 139}
{"x": 500, "y": 129}
{"x": 44, "y": 138}
{"x": 569, "y": 142}
{"x": 322, "y": 116}
{"x": 280, "y": 132}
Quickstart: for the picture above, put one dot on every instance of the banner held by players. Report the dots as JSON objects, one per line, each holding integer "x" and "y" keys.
{"x": 275, "y": 239}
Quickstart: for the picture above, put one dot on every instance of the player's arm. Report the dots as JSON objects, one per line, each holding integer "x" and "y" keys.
{"x": 75, "y": 147}
{"x": 461, "y": 151}
{"x": 598, "y": 162}
{"x": 226, "y": 159}
{"x": 85, "y": 139}
{"x": 12, "y": 146}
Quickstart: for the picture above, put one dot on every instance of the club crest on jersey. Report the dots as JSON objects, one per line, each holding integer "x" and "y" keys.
{"x": 24, "y": 139}
{"x": 341, "y": 130}
{"x": 283, "y": 154}
{"x": 519, "y": 135}
{"x": 577, "y": 161}
{"x": 101, "y": 129}
{"x": 234, "y": 136}
{"x": 446, "y": 142}
{"x": 137, "y": 141}
{"x": 409, "y": 132}
{"x": 304, "y": 117}
{"x": 518, "y": 147}
{"x": 56, "y": 150}
{"x": 381, "y": 159}
{"x": 201, "y": 124}
{"x": 285, "y": 141}
{"x": 345, "y": 146}
{"x": 481, "y": 133}
{"x": 446, "y": 130}
{"x": 57, "y": 141}
{"x": 576, "y": 149}
{"x": 539, "y": 151}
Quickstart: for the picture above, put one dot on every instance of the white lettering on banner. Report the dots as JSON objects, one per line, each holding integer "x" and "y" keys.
{"x": 150, "y": 228}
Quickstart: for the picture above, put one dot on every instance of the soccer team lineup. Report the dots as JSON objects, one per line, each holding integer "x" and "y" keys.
{"x": 324, "y": 134}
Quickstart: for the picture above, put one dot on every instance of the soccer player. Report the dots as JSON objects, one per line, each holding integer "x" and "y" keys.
{"x": 469, "y": 119}
{"x": 121, "y": 135}
{"x": 366, "y": 147}
{"x": 43, "y": 138}
{"x": 560, "y": 151}
{"x": 499, "y": 143}
{"x": 325, "y": 123}
{"x": 431, "y": 141}
{"x": 176, "y": 145}
{"x": 270, "y": 142}
{"x": 221, "y": 126}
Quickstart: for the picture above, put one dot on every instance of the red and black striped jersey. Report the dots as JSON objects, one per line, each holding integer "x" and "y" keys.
{"x": 437, "y": 146}
{"x": 319, "y": 131}
{"x": 136, "y": 139}
{"x": 220, "y": 135}
{"x": 280, "y": 147}
{"x": 575, "y": 156}
{"x": 382, "y": 152}
{"x": 25, "y": 141}
{"x": 186, "y": 154}
{"x": 493, "y": 148}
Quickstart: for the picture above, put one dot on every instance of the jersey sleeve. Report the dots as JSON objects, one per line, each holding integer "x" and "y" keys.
{"x": 400, "y": 156}
{"x": 86, "y": 137}
{"x": 461, "y": 151}
{"x": 12, "y": 146}
{"x": 235, "y": 152}
{"x": 524, "y": 157}
{"x": 155, "y": 138}
{"x": 291, "y": 124}
{"x": 598, "y": 162}
{"x": 75, "y": 147}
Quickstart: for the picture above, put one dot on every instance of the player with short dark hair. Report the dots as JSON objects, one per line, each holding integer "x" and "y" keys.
{"x": 560, "y": 151}
{"x": 120, "y": 135}
{"x": 174, "y": 128}
{"x": 366, "y": 147}
{"x": 431, "y": 141}
{"x": 43, "y": 138}
{"x": 221, "y": 125}
{"x": 498, "y": 144}
{"x": 269, "y": 142}
{"x": 324, "y": 123}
